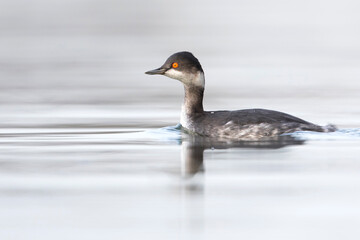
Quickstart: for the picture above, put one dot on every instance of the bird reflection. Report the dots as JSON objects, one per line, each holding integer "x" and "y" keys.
{"x": 193, "y": 147}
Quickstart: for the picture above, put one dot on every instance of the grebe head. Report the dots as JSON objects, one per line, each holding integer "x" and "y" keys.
{"x": 184, "y": 67}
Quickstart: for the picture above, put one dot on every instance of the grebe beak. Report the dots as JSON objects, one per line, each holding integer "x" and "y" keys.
{"x": 159, "y": 71}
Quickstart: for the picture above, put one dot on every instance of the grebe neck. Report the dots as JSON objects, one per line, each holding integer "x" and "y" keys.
{"x": 193, "y": 100}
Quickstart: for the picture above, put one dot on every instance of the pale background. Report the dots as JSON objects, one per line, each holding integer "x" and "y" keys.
{"x": 75, "y": 162}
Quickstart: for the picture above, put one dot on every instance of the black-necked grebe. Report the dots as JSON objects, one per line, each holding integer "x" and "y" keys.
{"x": 247, "y": 124}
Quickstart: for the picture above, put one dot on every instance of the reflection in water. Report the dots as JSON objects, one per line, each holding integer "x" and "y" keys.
{"x": 192, "y": 162}
{"x": 193, "y": 147}
{"x": 192, "y": 157}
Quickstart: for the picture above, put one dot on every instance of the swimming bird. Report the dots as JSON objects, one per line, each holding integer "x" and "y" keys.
{"x": 247, "y": 124}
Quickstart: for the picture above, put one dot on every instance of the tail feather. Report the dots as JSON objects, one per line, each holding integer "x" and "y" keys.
{"x": 329, "y": 128}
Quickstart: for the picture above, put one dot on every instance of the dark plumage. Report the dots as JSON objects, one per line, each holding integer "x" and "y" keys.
{"x": 248, "y": 124}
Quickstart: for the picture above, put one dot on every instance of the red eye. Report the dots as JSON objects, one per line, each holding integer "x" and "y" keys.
{"x": 175, "y": 65}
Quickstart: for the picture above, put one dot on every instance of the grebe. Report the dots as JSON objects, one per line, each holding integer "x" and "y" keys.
{"x": 247, "y": 124}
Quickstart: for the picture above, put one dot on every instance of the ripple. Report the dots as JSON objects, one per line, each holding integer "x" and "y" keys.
{"x": 341, "y": 134}
{"x": 169, "y": 134}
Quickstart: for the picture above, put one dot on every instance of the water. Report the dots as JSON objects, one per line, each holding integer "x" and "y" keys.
{"x": 89, "y": 146}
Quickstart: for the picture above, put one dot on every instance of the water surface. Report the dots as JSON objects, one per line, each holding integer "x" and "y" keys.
{"x": 88, "y": 143}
